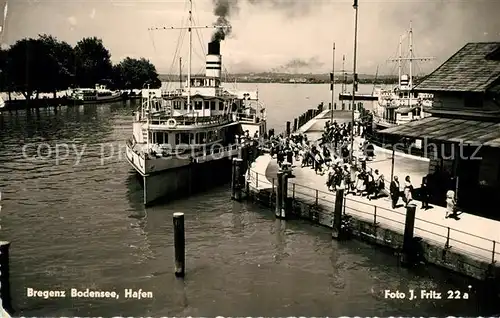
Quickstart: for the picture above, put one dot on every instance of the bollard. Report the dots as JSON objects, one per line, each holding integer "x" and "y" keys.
{"x": 4, "y": 276}
{"x": 335, "y": 106}
{"x": 295, "y": 125}
{"x": 238, "y": 173}
{"x": 337, "y": 214}
{"x": 279, "y": 194}
{"x": 408, "y": 247}
{"x": 288, "y": 129}
{"x": 179, "y": 244}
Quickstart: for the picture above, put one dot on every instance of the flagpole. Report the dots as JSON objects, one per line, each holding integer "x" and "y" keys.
{"x": 354, "y": 79}
{"x": 333, "y": 83}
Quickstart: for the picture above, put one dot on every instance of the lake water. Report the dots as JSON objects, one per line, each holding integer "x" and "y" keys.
{"x": 79, "y": 223}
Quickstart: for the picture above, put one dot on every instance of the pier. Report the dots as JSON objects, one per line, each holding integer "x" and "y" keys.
{"x": 467, "y": 245}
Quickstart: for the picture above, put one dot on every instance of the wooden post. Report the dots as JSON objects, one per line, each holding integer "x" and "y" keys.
{"x": 179, "y": 244}
{"x": 337, "y": 214}
{"x": 408, "y": 248}
{"x": 233, "y": 179}
{"x": 238, "y": 172}
{"x": 392, "y": 165}
{"x": 288, "y": 129}
{"x": 279, "y": 194}
{"x": 4, "y": 276}
{"x": 295, "y": 125}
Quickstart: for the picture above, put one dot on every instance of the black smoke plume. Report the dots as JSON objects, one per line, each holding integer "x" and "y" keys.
{"x": 223, "y": 10}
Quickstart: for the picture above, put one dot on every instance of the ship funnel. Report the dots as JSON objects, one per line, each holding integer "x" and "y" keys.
{"x": 214, "y": 60}
{"x": 405, "y": 80}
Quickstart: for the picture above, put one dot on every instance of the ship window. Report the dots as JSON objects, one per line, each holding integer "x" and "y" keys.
{"x": 207, "y": 104}
{"x": 400, "y": 95}
{"x": 159, "y": 138}
{"x": 198, "y": 105}
{"x": 193, "y": 141}
{"x": 182, "y": 138}
{"x": 415, "y": 95}
{"x": 185, "y": 106}
{"x": 177, "y": 104}
{"x": 201, "y": 138}
{"x": 212, "y": 105}
{"x": 221, "y": 105}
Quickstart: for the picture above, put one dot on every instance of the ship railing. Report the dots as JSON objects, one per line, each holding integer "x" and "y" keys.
{"x": 192, "y": 121}
{"x": 381, "y": 120}
{"x": 247, "y": 117}
{"x": 174, "y": 93}
{"x": 194, "y": 152}
{"x": 321, "y": 210}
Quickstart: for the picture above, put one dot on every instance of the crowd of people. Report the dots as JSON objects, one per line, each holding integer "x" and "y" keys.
{"x": 331, "y": 154}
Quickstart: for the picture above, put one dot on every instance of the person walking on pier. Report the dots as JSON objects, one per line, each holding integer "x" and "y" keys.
{"x": 451, "y": 204}
{"x": 395, "y": 191}
{"x": 424, "y": 193}
{"x": 408, "y": 195}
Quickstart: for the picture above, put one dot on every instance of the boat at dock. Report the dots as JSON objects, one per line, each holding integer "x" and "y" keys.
{"x": 97, "y": 95}
{"x": 184, "y": 139}
{"x": 400, "y": 104}
{"x": 358, "y": 97}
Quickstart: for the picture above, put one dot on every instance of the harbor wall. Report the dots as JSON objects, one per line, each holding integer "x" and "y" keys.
{"x": 320, "y": 211}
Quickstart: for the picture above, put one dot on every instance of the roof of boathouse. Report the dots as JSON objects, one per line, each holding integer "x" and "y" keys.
{"x": 474, "y": 68}
{"x": 453, "y": 130}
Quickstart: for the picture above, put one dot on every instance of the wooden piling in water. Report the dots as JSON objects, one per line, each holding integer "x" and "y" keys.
{"x": 295, "y": 125}
{"x": 288, "y": 129}
{"x": 337, "y": 214}
{"x": 238, "y": 174}
{"x": 5, "y": 276}
{"x": 407, "y": 254}
{"x": 279, "y": 194}
{"x": 179, "y": 244}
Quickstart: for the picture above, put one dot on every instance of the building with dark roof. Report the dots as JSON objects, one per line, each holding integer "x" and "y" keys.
{"x": 464, "y": 127}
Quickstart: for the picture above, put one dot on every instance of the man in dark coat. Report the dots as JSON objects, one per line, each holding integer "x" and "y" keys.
{"x": 395, "y": 191}
{"x": 424, "y": 193}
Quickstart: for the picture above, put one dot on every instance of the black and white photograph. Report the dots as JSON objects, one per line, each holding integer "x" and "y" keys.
{"x": 249, "y": 158}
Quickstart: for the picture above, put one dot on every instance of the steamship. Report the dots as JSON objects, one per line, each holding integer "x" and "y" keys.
{"x": 402, "y": 104}
{"x": 184, "y": 139}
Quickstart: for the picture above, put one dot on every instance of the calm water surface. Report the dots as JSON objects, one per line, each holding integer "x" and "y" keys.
{"x": 83, "y": 226}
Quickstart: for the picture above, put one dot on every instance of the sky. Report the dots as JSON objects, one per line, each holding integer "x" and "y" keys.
{"x": 267, "y": 35}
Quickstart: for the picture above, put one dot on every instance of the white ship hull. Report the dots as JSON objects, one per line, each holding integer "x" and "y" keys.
{"x": 168, "y": 177}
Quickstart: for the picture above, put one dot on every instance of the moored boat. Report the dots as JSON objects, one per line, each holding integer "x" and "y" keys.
{"x": 184, "y": 139}
{"x": 400, "y": 104}
{"x": 97, "y": 95}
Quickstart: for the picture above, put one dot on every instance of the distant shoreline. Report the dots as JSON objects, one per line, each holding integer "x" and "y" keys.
{"x": 266, "y": 78}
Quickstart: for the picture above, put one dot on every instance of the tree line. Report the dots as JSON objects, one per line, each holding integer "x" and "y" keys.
{"x": 47, "y": 65}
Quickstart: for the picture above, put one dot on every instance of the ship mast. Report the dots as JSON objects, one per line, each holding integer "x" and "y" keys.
{"x": 190, "y": 54}
{"x": 410, "y": 52}
{"x": 180, "y": 73}
{"x": 400, "y": 59}
{"x": 410, "y": 49}
{"x": 190, "y": 28}
{"x": 343, "y": 74}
